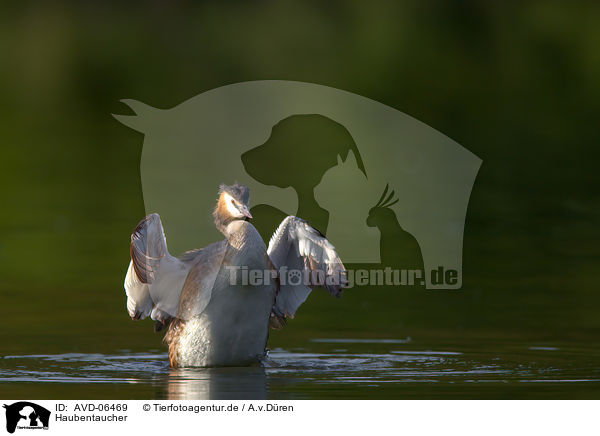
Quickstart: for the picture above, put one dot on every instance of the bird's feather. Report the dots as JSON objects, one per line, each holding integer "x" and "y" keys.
{"x": 299, "y": 247}
{"x": 154, "y": 278}
{"x": 198, "y": 286}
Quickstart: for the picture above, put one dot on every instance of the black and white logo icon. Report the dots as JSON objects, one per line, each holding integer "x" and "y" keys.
{"x": 26, "y": 415}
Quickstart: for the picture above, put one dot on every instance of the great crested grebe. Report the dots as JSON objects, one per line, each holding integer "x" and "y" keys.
{"x": 214, "y": 318}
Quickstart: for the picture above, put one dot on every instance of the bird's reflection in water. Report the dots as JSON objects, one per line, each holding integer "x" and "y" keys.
{"x": 218, "y": 383}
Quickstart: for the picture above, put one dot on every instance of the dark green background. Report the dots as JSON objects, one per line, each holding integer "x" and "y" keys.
{"x": 518, "y": 84}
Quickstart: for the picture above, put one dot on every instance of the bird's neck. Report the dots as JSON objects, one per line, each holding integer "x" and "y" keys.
{"x": 389, "y": 223}
{"x": 222, "y": 224}
{"x": 237, "y": 233}
{"x": 222, "y": 217}
{"x": 230, "y": 227}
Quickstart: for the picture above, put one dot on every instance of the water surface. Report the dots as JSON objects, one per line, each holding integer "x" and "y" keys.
{"x": 326, "y": 368}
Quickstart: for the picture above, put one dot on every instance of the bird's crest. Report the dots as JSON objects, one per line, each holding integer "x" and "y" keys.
{"x": 238, "y": 191}
{"x": 386, "y": 201}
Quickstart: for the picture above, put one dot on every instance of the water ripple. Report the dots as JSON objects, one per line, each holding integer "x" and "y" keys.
{"x": 302, "y": 373}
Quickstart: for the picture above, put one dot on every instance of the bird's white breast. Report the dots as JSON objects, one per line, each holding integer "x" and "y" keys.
{"x": 233, "y": 328}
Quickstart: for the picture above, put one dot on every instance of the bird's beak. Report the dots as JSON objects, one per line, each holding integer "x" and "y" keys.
{"x": 246, "y": 212}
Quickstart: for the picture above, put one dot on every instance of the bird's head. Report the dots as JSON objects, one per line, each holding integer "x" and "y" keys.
{"x": 381, "y": 210}
{"x": 232, "y": 205}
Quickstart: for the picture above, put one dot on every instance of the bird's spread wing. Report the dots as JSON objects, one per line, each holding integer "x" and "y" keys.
{"x": 154, "y": 278}
{"x": 198, "y": 286}
{"x": 295, "y": 249}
